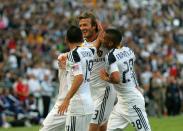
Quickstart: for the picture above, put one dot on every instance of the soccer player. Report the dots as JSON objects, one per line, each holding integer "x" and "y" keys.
{"x": 54, "y": 121}
{"x": 103, "y": 94}
{"x": 130, "y": 107}
{"x": 78, "y": 102}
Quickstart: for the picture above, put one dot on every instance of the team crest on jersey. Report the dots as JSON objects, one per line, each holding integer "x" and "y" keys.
{"x": 99, "y": 53}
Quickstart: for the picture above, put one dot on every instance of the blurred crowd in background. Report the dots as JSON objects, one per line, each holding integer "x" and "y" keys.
{"x": 32, "y": 35}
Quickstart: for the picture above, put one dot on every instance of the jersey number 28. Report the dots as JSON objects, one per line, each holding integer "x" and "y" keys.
{"x": 129, "y": 68}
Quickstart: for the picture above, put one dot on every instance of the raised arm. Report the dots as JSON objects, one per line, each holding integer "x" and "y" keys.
{"x": 113, "y": 78}
{"x": 100, "y": 36}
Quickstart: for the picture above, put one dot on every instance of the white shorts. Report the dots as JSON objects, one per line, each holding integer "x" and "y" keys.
{"x": 77, "y": 123}
{"x": 104, "y": 106}
{"x": 136, "y": 116}
{"x": 54, "y": 121}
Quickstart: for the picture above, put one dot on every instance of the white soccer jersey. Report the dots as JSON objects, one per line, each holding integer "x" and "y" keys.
{"x": 80, "y": 61}
{"x": 122, "y": 60}
{"x": 131, "y": 106}
{"x": 103, "y": 93}
{"x": 98, "y": 86}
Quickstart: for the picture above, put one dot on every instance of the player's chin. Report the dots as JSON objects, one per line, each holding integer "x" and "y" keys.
{"x": 85, "y": 35}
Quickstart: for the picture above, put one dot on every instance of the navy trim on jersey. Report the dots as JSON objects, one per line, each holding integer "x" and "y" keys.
{"x": 142, "y": 119}
{"x": 75, "y": 55}
{"x": 111, "y": 57}
{"x": 134, "y": 78}
{"x": 69, "y": 56}
{"x": 103, "y": 105}
{"x": 73, "y": 123}
{"x": 93, "y": 51}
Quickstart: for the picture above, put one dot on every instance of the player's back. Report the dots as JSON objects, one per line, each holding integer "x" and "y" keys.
{"x": 124, "y": 59}
{"x": 80, "y": 60}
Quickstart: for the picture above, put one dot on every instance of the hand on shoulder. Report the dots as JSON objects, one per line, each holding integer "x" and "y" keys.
{"x": 62, "y": 60}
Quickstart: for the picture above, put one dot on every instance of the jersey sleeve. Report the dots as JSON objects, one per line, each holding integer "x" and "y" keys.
{"x": 111, "y": 62}
{"x": 111, "y": 58}
{"x": 113, "y": 67}
{"x": 77, "y": 66}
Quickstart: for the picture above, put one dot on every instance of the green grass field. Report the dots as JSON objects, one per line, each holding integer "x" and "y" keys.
{"x": 157, "y": 124}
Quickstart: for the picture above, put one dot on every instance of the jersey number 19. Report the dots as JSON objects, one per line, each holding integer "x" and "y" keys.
{"x": 89, "y": 66}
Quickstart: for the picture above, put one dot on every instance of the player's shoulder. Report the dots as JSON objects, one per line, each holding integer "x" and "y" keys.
{"x": 88, "y": 48}
{"x": 76, "y": 54}
{"x": 87, "y": 44}
{"x": 111, "y": 56}
{"x": 129, "y": 51}
{"x": 73, "y": 55}
{"x": 126, "y": 48}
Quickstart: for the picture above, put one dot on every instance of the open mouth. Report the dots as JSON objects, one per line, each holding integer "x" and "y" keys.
{"x": 84, "y": 32}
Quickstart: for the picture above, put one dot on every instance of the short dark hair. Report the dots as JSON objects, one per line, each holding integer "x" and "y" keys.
{"x": 114, "y": 35}
{"x": 90, "y": 15}
{"x": 74, "y": 34}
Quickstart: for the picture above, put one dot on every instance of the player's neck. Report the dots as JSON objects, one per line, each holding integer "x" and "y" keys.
{"x": 74, "y": 45}
{"x": 92, "y": 38}
{"x": 116, "y": 47}
{"x": 119, "y": 46}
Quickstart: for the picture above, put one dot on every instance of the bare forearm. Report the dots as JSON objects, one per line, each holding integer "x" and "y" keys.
{"x": 110, "y": 80}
